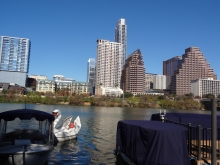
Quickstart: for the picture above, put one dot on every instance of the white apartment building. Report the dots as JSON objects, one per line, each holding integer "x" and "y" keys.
{"x": 155, "y": 81}
{"x": 111, "y": 91}
{"x": 121, "y": 37}
{"x": 202, "y": 87}
{"x": 159, "y": 82}
{"x": 108, "y": 63}
{"x": 149, "y": 81}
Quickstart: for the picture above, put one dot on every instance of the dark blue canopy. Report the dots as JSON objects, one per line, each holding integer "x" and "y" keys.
{"x": 26, "y": 114}
{"x": 152, "y": 142}
{"x": 185, "y": 118}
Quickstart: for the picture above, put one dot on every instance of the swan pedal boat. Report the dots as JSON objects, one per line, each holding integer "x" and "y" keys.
{"x": 67, "y": 130}
{"x": 26, "y": 137}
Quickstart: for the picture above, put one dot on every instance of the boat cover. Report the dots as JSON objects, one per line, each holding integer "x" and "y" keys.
{"x": 152, "y": 142}
{"x": 185, "y": 118}
{"x": 26, "y": 114}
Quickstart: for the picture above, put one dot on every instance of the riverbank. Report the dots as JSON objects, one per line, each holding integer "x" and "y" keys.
{"x": 143, "y": 101}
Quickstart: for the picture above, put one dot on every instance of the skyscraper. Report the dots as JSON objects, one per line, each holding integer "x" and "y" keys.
{"x": 133, "y": 74}
{"x": 108, "y": 63}
{"x": 192, "y": 66}
{"x": 91, "y": 74}
{"x": 169, "y": 67}
{"x": 121, "y": 37}
{"x": 14, "y": 59}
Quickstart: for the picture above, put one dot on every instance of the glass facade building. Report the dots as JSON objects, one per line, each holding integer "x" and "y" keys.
{"x": 121, "y": 37}
{"x": 14, "y": 59}
{"x": 91, "y": 75}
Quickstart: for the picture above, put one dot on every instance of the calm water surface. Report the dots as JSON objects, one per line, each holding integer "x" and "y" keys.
{"x": 97, "y": 138}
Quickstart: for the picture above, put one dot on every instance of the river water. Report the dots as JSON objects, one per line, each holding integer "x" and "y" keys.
{"x": 96, "y": 141}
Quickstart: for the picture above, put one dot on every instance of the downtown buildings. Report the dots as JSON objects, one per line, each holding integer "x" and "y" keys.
{"x": 59, "y": 84}
{"x": 191, "y": 66}
{"x": 14, "y": 60}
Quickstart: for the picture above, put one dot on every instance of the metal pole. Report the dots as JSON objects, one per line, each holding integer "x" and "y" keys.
{"x": 199, "y": 141}
{"x": 214, "y": 128}
{"x": 123, "y": 92}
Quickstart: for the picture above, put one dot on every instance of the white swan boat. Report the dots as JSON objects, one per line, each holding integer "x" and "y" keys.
{"x": 67, "y": 130}
{"x": 26, "y": 137}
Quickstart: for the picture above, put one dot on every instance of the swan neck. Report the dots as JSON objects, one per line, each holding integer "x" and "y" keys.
{"x": 57, "y": 120}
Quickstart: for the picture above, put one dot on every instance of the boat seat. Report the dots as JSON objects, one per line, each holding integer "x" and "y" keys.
{"x": 22, "y": 142}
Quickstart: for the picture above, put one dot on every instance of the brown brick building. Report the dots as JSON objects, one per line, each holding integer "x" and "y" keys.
{"x": 133, "y": 74}
{"x": 192, "y": 66}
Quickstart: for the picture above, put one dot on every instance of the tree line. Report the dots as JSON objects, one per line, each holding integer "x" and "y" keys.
{"x": 186, "y": 102}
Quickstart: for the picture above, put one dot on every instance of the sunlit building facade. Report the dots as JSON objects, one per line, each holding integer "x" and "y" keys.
{"x": 73, "y": 87}
{"x": 108, "y": 64}
{"x": 149, "y": 77}
{"x": 14, "y": 59}
{"x": 203, "y": 87}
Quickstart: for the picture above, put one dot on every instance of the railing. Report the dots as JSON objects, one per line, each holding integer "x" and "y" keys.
{"x": 199, "y": 141}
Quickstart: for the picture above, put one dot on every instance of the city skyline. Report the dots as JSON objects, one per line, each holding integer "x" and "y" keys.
{"x": 64, "y": 34}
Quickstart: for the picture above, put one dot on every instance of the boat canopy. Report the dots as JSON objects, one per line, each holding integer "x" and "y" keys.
{"x": 152, "y": 142}
{"x": 26, "y": 114}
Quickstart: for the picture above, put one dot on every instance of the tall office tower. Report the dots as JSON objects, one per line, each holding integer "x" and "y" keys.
{"x": 169, "y": 68}
{"x": 133, "y": 74}
{"x": 91, "y": 75}
{"x": 108, "y": 64}
{"x": 121, "y": 37}
{"x": 14, "y": 59}
{"x": 193, "y": 66}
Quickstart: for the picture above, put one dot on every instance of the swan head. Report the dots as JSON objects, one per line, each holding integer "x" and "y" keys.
{"x": 56, "y": 113}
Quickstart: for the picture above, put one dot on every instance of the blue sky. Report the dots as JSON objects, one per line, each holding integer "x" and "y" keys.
{"x": 64, "y": 32}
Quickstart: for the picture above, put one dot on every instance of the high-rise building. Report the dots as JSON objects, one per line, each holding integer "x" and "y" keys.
{"x": 108, "y": 63}
{"x": 133, "y": 74}
{"x": 91, "y": 75}
{"x": 14, "y": 59}
{"x": 192, "y": 66}
{"x": 121, "y": 37}
{"x": 169, "y": 67}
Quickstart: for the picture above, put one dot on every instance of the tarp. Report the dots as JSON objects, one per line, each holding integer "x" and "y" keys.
{"x": 185, "y": 118}
{"x": 152, "y": 142}
{"x": 26, "y": 114}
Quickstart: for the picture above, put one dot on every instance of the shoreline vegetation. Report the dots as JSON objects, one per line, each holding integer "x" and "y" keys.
{"x": 186, "y": 102}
